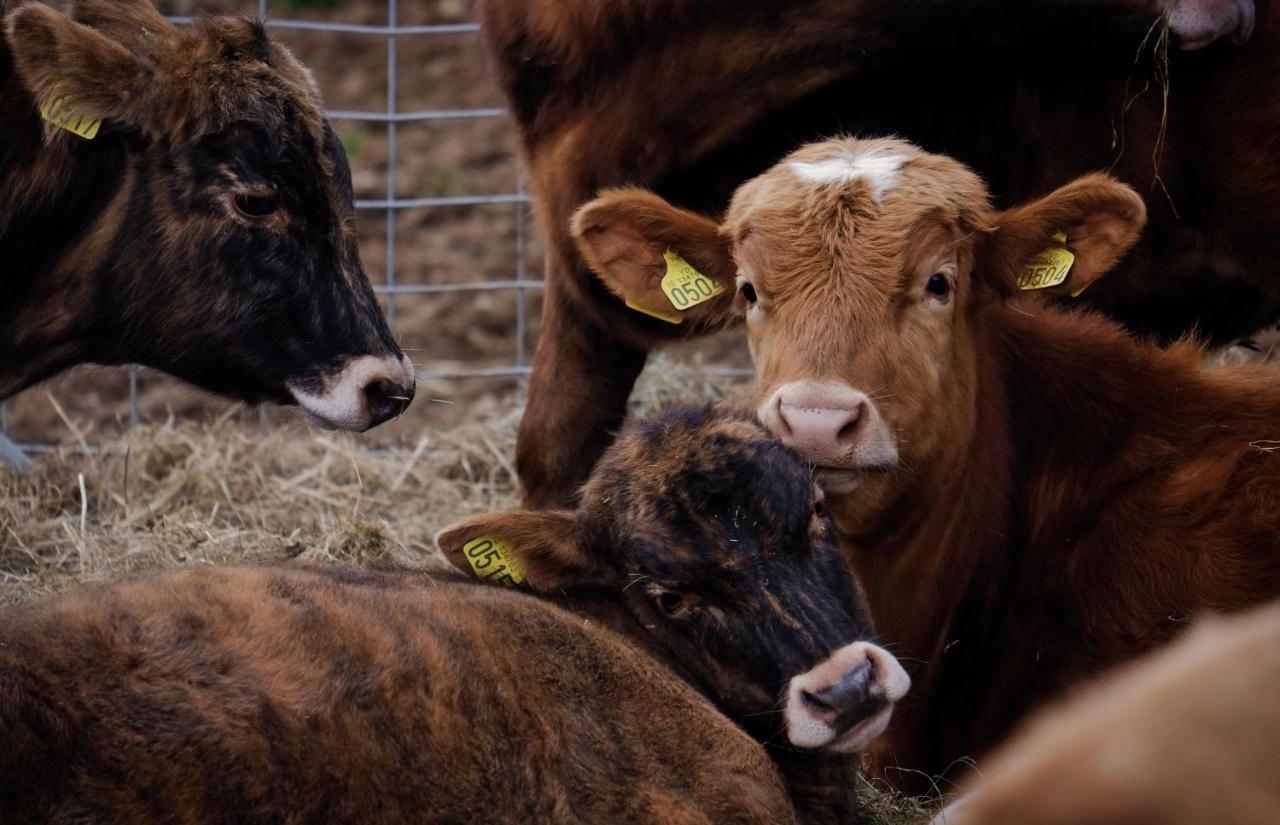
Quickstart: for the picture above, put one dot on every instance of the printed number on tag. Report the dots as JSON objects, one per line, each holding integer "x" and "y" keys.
{"x": 493, "y": 560}
{"x": 1049, "y": 268}
{"x": 685, "y": 286}
{"x": 61, "y": 111}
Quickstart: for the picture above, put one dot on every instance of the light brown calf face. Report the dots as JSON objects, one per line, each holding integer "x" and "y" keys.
{"x": 862, "y": 269}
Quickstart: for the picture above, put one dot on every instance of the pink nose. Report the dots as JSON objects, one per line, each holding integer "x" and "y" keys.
{"x": 826, "y": 430}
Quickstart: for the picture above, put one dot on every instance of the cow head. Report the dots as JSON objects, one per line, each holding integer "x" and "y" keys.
{"x": 864, "y": 270}
{"x": 227, "y": 254}
{"x": 706, "y": 538}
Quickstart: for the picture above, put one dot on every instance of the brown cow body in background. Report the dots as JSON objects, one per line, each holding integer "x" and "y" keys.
{"x": 201, "y": 222}
{"x": 1188, "y": 736}
{"x": 692, "y": 99}
{"x": 1028, "y": 494}
{"x": 692, "y": 609}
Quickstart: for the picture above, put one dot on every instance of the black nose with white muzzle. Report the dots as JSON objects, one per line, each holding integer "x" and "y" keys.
{"x": 364, "y": 392}
{"x": 847, "y": 700}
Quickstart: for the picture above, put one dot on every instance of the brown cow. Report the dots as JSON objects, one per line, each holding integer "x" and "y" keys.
{"x": 690, "y": 99}
{"x": 199, "y": 220}
{"x": 1187, "y": 737}
{"x": 696, "y": 585}
{"x": 1028, "y": 493}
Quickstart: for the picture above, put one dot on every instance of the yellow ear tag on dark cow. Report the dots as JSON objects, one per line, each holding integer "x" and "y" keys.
{"x": 685, "y": 286}
{"x": 492, "y": 560}
{"x": 61, "y": 111}
{"x": 1049, "y": 268}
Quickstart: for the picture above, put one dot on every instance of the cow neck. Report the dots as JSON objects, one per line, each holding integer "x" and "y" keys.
{"x": 820, "y": 785}
{"x": 920, "y": 554}
{"x": 55, "y": 199}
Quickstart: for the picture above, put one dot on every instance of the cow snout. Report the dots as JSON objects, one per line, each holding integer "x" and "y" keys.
{"x": 832, "y": 425}
{"x": 846, "y": 701}
{"x": 364, "y": 393}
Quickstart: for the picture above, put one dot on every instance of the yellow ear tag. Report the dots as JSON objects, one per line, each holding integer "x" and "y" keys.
{"x": 661, "y": 316}
{"x": 61, "y": 111}
{"x": 685, "y": 286}
{"x": 493, "y": 560}
{"x": 1049, "y": 268}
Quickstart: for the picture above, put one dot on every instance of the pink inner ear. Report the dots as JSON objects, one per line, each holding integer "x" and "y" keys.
{"x": 620, "y": 241}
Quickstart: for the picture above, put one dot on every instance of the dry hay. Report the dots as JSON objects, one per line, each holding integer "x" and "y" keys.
{"x": 225, "y": 491}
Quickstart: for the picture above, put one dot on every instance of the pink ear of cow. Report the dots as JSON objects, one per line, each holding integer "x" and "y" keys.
{"x": 1100, "y": 217}
{"x": 623, "y": 235}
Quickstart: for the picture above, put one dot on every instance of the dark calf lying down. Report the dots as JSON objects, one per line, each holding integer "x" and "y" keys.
{"x": 695, "y": 607}
{"x": 176, "y": 198}
{"x": 1187, "y": 737}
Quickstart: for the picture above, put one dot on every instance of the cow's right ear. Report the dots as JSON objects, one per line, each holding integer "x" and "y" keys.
{"x": 634, "y": 240}
{"x": 57, "y": 58}
{"x": 540, "y": 549}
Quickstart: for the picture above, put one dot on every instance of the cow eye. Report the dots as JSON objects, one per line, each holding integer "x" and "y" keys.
{"x": 819, "y": 509}
{"x": 255, "y": 205}
{"x": 670, "y": 604}
{"x": 939, "y": 285}
{"x": 748, "y": 292}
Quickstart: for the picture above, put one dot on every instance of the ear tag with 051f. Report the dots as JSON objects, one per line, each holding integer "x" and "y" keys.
{"x": 493, "y": 560}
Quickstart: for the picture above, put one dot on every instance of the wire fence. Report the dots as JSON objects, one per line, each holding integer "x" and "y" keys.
{"x": 393, "y": 203}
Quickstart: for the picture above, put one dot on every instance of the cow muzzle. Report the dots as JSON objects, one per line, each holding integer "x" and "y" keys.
{"x": 834, "y": 426}
{"x": 847, "y": 701}
{"x": 364, "y": 393}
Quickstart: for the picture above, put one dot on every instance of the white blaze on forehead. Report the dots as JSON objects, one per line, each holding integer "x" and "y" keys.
{"x": 878, "y": 167}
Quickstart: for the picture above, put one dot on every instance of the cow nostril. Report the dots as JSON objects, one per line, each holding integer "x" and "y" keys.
{"x": 817, "y": 700}
{"x": 386, "y": 399}
{"x": 849, "y": 430}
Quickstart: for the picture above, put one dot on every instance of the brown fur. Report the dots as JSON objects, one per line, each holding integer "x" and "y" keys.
{"x": 691, "y": 99}
{"x": 137, "y": 246}
{"x": 635, "y": 676}
{"x": 1187, "y": 736}
{"x": 265, "y": 695}
{"x": 1064, "y": 497}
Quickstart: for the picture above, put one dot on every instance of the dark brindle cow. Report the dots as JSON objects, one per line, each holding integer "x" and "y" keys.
{"x": 695, "y": 585}
{"x": 206, "y": 230}
{"x": 691, "y": 99}
{"x": 1028, "y": 494}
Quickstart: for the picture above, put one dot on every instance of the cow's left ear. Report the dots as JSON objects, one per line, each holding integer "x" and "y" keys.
{"x": 663, "y": 261}
{"x": 541, "y": 549}
{"x": 1085, "y": 227}
{"x": 77, "y": 69}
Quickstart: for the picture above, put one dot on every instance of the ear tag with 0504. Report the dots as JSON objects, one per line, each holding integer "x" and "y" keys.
{"x": 1048, "y": 268}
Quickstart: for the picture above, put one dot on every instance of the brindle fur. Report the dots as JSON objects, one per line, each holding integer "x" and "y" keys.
{"x": 124, "y": 248}
{"x": 324, "y": 694}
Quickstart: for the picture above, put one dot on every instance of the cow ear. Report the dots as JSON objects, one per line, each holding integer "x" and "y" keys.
{"x": 57, "y": 58}
{"x": 540, "y": 549}
{"x": 1085, "y": 227}
{"x": 634, "y": 241}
